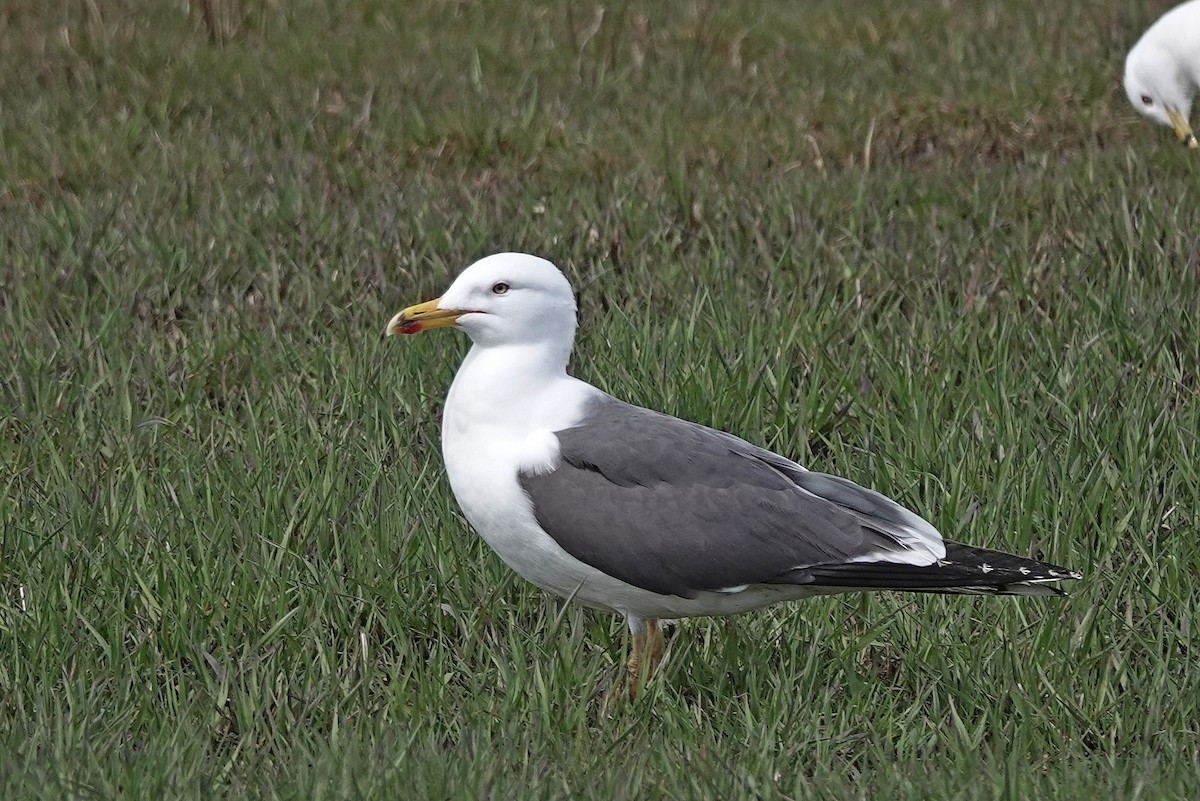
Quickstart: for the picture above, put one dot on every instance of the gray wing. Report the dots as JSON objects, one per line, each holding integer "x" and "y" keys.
{"x": 677, "y": 508}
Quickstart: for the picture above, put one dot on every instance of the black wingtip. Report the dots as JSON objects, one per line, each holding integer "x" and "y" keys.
{"x": 965, "y": 570}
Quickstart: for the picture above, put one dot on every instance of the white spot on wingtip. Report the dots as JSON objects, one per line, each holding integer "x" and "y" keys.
{"x": 986, "y": 568}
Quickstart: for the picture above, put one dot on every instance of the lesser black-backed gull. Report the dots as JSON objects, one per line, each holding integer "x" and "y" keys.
{"x": 626, "y": 509}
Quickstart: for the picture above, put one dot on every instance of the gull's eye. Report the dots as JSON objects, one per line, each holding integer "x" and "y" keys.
{"x": 1148, "y": 100}
{"x": 499, "y": 288}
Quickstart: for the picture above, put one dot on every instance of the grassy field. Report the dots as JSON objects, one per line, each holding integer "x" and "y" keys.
{"x": 926, "y": 246}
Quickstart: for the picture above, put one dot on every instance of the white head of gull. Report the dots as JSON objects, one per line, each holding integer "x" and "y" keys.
{"x": 1162, "y": 71}
{"x": 622, "y": 508}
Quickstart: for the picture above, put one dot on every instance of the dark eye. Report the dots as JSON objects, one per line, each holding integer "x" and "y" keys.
{"x": 1148, "y": 100}
{"x": 499, "y": 288}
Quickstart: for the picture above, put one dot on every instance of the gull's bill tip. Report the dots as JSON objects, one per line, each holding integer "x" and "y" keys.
{"x": 416, "y": 319}
{"x": 1183, "y": 130}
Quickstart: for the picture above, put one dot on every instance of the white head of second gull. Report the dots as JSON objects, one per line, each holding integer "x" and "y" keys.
{"x": 1162, "y": 71}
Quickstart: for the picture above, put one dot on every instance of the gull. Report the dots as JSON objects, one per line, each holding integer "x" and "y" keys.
{"x": 630, "y": 510}
{"x": 1162, "y": 71}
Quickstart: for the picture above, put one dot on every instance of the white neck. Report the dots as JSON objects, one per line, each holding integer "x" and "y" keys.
{"x": 518, "y": 388}
{"x": 529, "y": 361}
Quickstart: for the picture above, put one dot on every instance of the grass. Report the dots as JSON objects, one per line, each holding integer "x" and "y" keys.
{"x": 929, "y": 248}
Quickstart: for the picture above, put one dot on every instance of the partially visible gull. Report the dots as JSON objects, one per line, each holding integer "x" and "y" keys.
{"x": 633, "y": 511}
{"x": 1162, "y": 71}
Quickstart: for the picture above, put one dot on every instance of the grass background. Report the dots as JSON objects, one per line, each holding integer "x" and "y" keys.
{"x": 928, "y": 247}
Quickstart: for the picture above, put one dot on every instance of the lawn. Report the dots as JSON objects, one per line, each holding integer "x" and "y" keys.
{"x": 926, "y": 246}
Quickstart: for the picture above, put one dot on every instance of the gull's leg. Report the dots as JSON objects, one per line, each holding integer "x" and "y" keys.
{"x": 654, "y": 644}
{"x": 646, "y": 652}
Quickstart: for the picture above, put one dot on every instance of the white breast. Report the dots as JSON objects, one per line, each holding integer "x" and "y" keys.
{"x": 493, "y": 427}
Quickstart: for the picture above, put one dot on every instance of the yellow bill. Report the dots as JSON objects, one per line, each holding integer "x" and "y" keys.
{"x": 1183, "y": 130}
{"x": 416, "y": 319}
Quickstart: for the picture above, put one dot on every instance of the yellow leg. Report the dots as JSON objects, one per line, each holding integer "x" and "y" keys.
{"x": 646, "y": 653}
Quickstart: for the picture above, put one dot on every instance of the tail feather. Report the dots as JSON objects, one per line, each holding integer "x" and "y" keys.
{"x": 965, "y": 570}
